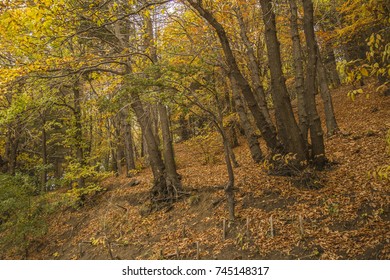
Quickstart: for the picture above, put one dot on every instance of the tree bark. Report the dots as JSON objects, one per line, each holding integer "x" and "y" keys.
{"x": 254, "y": 69}
{"x": 169, "y": 157}
{"x": 298, "y": 67}
{"x": 78, "y": 131}
{"x": 331, "y": 123}
{"x": 330, "y": 65}
{"x": 250, "y": 136}
{"x": 288, "y": 129}
{"x": 44, "y": 157}
{"x": 12, "y": 147}
{"x": 268, "y": 134}
{"x": 316, "y": 134}
{"x": 159, "y": 187}
{"x": 129, "y": 145}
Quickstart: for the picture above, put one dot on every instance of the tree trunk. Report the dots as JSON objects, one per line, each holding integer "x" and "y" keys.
{"x": 331, "y": 123}
{"x": 78, "y": 132}
{"x": 316, "y": 134}
{"x": 184, "y": 130}
{"x": 229, "y": 189}
{"x": 169, "y": 158}
{"x": 44, "y": 157}
{"x": 250, "y": 136}
{"x": 254, "y": 69}
{"x": 268, "y": 134}
{"x": 129, "y": 145}
{"x": 159, "y": 189}
{"x": 330, "y": 64}
{"x": 288, "y": 129}
{"x": 298, "y": 67}
{"x": 119, "y": 144}
{"x": 12, "y": 147}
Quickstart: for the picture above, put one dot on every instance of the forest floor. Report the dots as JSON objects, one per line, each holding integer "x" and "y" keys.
{"x": 348, "y": 218}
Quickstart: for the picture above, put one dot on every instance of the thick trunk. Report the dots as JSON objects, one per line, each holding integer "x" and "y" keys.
{"x": 250, "y": 136}
{"x": 331, "y": 124}
{"x": 288, "y": 129}
{"x": 298, "y": 67}
{"x": 156, "y": 162}
{"x": 316, "y": 134}
{"x": 268, "y": 134}
{"x": 254, "y": 70}
{"x": 171, "y": 174}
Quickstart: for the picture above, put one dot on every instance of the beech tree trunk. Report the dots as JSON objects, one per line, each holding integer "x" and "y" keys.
{"x": 298, "y": 67}
{"x": 184, "y": 130}
{"x": 331, "y": 123}
{"x": 330, "y": 65}
{"x": 12, "y": 147}
{"x": 44, "y": 157}
{"x": 171, "y": 172}
{"x": 254, "y": 70}
{"x": 250, "y": 136}
{"x": 288, "y": 129}
{"x": 268, "y": 134}
{"x": 129, "y": 145}
{"x": 159, "y": 189}
{"x": 78, "y": 131}
{"x": 316, "y": 134}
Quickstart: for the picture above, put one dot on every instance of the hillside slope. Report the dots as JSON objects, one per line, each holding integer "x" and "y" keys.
{"x": 349, "y": 218}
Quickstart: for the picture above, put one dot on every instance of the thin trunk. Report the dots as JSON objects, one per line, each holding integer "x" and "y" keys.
{"x": 184, "y": 130}
{"x": 316, "y": 134}
{"x": 330, "y": 64}
{"x": 229, "y": 189}
{"x": 298, "y": 67}
{"x": 268, "y": 134}
{"x": 254, "y": 69}
{"x": 119, "y": 144}
{"x": 12, "y": 149}
{"x": 129, "y": 146}
{"x": 288, "y": 129}
{"x": 250, "y": 136}
{"x": 331, "y": 123}
{"x": 78, "y": 132}
{"x": 44, "y": 158}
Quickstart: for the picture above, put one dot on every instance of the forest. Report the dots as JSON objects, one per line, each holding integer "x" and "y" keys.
{"x": 194, "y": 129}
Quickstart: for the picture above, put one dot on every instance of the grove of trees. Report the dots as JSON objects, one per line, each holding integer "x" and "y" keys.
{"x": 92, "y": 88}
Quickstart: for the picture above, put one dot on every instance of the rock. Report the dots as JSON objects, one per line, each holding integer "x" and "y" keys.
{"x": 133, "y": 183}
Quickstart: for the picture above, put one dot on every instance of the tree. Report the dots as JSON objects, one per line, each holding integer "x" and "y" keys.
{"x": 316, "y": 134}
